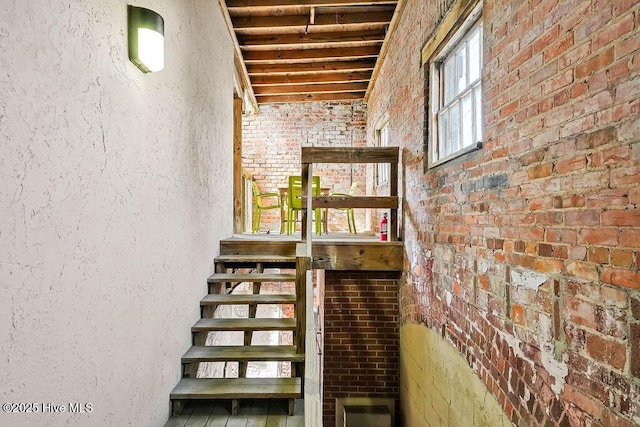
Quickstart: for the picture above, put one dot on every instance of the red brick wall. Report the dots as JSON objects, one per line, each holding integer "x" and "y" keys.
{"x": 527, "y": 252}
{"x": 272, "y": 139}
{"x": 360, "y": 337}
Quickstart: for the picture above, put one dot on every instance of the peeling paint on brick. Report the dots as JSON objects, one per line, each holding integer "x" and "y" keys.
{"x": 557, "y": 369}
{"x": 527, "y": 278}
{"x": 547, "y": 209}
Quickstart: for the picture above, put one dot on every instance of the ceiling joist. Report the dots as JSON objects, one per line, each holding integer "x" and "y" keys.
{"x": 288, "y": 79}
{"x": 310, "y": 50}
{"x": 312, "y": 67}
{"x": 300, "y": 23}
{"x": 274, "y": 4}
{"x": 311, "y": 40}
{"x": 310, "y": 88}
{"x": 310, "y": 97}
{"x": 310, "y": 55}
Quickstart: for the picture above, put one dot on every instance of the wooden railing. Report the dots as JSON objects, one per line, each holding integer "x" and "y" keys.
{"x": 311, "y": 155}
{"x": 306, "y": 327}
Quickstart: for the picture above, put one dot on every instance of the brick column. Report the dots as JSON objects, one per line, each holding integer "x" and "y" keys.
{"x": 361, "y": 341}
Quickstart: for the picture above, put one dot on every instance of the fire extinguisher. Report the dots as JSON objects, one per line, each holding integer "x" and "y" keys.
{"x": 384, "y": 227}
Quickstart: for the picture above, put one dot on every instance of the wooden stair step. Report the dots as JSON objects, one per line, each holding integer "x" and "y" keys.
{"x": 253, "y": 353}
{"x": 252, "y": 259}
{"x": 250, "y": 324}
{"x": 251, "y": 277}
{"x": 238, "y": 299}
{"x": 237, "y": 388}
{"x": 242, "y": 245}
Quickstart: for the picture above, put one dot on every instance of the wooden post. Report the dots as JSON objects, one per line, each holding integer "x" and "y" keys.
{"x": 176, "y": 407}
{"x": 238, "y": 214}
{"x": 309, "y": 208}
{"x": 393, "y": 191}
{"x": 303, "y": 264}
{"x": 303, "y": 192}
{"x": 303, "y": 267}
{"x": 311, "y": 384}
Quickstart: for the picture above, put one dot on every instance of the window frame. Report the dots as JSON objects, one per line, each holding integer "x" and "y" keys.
{"x": 457, "y": 27}
{"x": 382, "y": 169}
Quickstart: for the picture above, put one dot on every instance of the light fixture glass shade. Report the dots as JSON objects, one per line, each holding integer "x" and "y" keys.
{"x": 146, "y": 39}
{"x": 151, "y": 49}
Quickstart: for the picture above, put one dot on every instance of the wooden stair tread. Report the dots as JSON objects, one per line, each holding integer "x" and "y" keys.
{"x": 231, "y": 299}
{"x": 244, "y": 246}
{"x": 268, "y": 259}
{"x": 237, "y": 388}
{"x": 251, "y": 277}
{"x": 256, "y": 353}
{"x": 250, "y": 324}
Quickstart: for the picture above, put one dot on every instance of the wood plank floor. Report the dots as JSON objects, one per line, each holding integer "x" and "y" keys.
{"x": 252, "y": 413}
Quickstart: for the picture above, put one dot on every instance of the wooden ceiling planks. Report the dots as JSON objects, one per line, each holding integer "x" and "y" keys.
{"x": 310, "y": 50}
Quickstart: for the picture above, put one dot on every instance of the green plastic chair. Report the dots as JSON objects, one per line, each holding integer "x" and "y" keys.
{"x": 262, "y": 202}
{"x": 349, "y": 211}
{"x": 294, "y": 202}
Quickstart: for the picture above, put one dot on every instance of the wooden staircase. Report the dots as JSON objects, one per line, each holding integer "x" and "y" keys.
{"x": 220, "y": 285}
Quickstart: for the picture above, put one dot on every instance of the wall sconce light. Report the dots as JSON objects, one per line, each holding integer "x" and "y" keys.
{"x": 146, "y": 39}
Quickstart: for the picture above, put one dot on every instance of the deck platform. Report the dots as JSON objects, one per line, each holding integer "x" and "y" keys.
{"x": 333, "y": 251}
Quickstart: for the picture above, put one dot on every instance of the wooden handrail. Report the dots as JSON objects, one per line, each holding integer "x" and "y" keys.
{"x": 375, "y": 202}
{"x": 311, "y": 155}
{"x": 350, "y": 155}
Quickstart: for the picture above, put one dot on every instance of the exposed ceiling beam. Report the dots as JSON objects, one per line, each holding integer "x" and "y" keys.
{"x": 311, "y": 40}
{"x": 300, "y": 23}
{"x": 310, "y": 50}
{"x": 336, "y": 77}
{"x": 276, "y": 99}
{"x": 312, "y": 67}
{"x": 328, "y": 45}
{"x": 259, "y": 4}
{"x": 310, "y": 88}
{"x": 264, "y": 31}
{"x": 310, "y": 55}
{"x": 309, "y": 11}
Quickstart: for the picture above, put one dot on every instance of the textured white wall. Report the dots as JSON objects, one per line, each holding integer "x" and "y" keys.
{"x": 114, "y": 192}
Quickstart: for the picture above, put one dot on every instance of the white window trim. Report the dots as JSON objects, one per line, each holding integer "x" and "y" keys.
{"x": 462, "y": 17}
{"x": 382, "y": 123}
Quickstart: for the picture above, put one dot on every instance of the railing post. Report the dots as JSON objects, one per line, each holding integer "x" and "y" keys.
{"x": 305, "y": 339}
{"x": 393, "y": 191}
{"x": 307, "y": 205}
{"x": 303, "y": 264}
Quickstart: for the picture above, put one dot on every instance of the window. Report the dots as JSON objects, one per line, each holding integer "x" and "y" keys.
{"x": 382, "y": 140}
{"x": 456, "y": 93}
